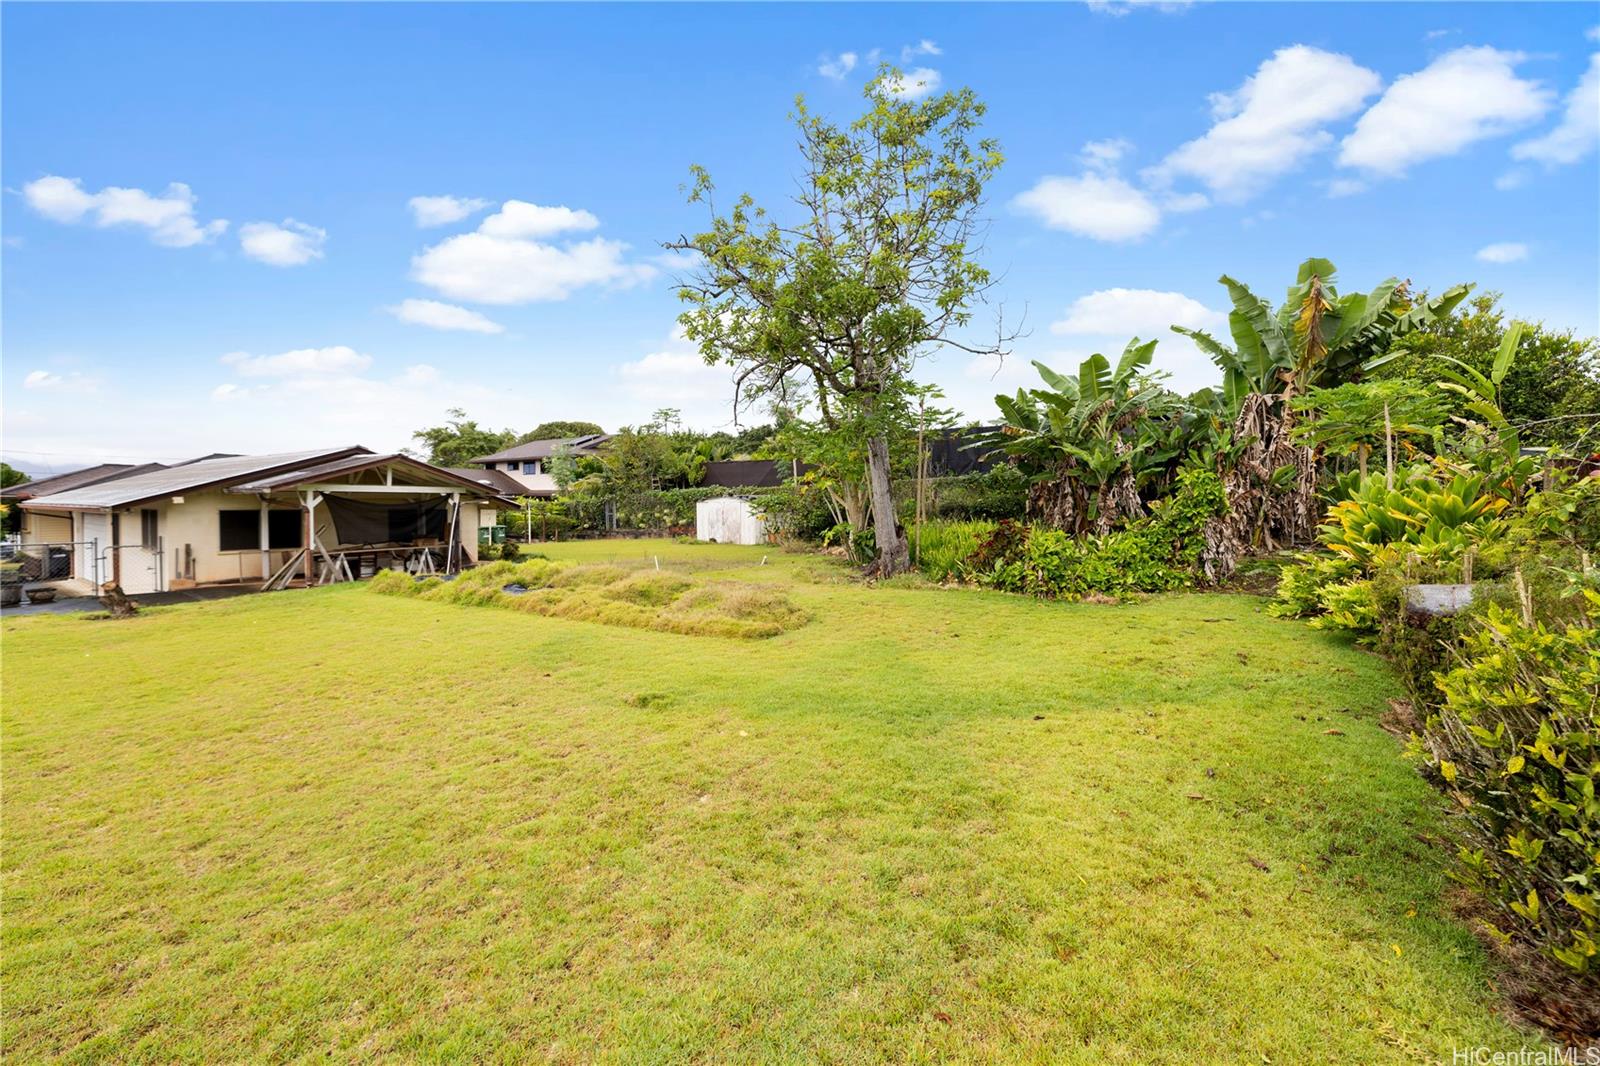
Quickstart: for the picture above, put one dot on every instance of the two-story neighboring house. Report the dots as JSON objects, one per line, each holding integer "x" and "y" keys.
{"x": 528, "y": 464}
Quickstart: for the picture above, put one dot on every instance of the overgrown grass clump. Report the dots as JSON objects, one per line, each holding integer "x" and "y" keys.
{"x": 943, "y": 547}
{"x": 611, "y": 595}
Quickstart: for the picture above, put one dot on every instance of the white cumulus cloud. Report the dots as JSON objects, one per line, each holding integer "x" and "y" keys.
{"x": 299, "y": 363}
{"x": 915, "y": 84}
{"x": 678, "y": 376}
{"x": 443, "y": 210}
{"x": 51, "y": 381}
{"x": 923, "y": 47}
{"x": 1272, "y": 123}
{"x": 518, "y": 218}
{"x": 169, "y": 218}
{"x": 1144, "y": 313}
{"x": 437, "y": 315}
{"x": 1464, "y": 96}
{"x": 1504, "y": 252}
{"x": 284, "y": 244}
{"x": 1106, "y": 320}
{"x": 1099, "y": 206}
{"x": 1119, "y": 8}
{"x": 836, "y": 67}
{"x": 1579, "y": 129}
{"x": 503, "y": 262}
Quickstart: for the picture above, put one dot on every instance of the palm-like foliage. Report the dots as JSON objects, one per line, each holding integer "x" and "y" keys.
{"x": 1316, "y": 337}
{"x": 1434, "y": 519}
{"x": 1090, "y": 439}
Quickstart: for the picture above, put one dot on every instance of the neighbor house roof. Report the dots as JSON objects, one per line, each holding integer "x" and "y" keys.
{"x": 91, "y": 475}
{"x": 190, "y": 477}
{"x": 354, "y": 464}
{"x": 544, "y": 449}
{"x": 497, "y": 481}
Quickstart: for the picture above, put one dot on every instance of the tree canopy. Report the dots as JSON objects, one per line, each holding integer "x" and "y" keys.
{"x": 461, "y": 439}
{"x": 871, "y": 267}
{"x": 1553, "y": 382}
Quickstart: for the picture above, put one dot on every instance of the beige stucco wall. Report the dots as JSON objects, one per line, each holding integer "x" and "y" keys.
{"x": 194, "y": 525}
{"x": 539, "y": 483}
{"x": 39, "y": 528}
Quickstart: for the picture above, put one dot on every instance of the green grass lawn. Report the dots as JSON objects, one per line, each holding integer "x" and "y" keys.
{"x": 928, "y": 825}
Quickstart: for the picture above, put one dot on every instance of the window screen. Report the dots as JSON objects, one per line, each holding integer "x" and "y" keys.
{"x": 408, "y": 523}
{"x": 149, "y": 530}
{"x": 239, "y": 530}
{"x": 285, "y": 529}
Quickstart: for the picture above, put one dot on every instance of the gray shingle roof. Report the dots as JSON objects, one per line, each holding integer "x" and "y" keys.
{"x": 92, "y": 475}
{"x": 544, "y": 449}
{"x": 208, "y": 473}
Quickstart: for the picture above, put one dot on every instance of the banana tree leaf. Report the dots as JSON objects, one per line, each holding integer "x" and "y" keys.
{"x": 1255, "y": 362}
{"x": 1220, "y": 353}
{"x": 1135, "y": 357}
{"x": 1235, "y": 388}
{"x": 1060, "y": 382}
{"x": 1361, "y": 313}
{"x": 1507, "y": 353}
{"x": 1258, "y": 315}
{"x": 1429, "y": 310}
{"x": 1469, "y": 382}
{"x": 1094, "y": 380}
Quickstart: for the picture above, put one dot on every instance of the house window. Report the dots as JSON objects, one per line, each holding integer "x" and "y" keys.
{"x": 149, "y": 529}
{"x": 240, "y": 531}
{"x": 534, "y": 467}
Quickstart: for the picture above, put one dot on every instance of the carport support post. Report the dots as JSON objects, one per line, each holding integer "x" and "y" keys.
{"x": 311, "y": 526}
{"x": 266, "y": 556}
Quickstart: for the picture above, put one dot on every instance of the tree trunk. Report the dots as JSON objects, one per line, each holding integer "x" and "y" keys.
{"x": 894, "y": 555}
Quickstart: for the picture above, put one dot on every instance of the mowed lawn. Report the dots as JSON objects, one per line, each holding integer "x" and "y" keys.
{"x": 929, "y": 825}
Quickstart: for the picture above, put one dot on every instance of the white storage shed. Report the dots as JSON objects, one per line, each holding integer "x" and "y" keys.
{"x": 728, "y": 520}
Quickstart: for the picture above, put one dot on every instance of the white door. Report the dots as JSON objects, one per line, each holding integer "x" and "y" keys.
{"x": 96, "y": 537}
{"x": 138, "y": 568}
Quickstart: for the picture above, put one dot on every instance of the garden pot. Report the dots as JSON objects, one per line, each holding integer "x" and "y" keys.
{"x": 10, "y": 588}
{"x": 42, "y": 595}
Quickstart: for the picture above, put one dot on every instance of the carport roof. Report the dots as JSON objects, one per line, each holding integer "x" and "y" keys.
{"x": 352, "y": 464}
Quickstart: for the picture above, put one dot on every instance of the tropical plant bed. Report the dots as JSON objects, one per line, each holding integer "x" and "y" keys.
{"x": 930, "y": 825}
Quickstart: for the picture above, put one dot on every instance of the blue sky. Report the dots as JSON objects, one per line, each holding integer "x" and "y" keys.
{"x": 291, "y": 290}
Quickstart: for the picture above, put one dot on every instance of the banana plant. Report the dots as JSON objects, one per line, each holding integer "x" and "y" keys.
{"x": 1316, "y": 337}
{"x": 1094, "y": 437}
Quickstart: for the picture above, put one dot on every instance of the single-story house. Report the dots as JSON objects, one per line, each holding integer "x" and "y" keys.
{"x": 312, "y": 516}
{"x": 528, "y": 463}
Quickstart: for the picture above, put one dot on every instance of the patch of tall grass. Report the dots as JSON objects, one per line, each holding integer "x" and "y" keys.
{"x": 942, "y": 548}
{"x": 611, "y": 595}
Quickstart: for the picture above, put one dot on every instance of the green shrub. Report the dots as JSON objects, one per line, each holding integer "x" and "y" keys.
{"x": 1516, "y": 743}
{"x": 1350, "y": 606}
{"x": 1158, "y": 553}
{"x": 1300, "y": 585}
{"x": 943, "y": 548}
